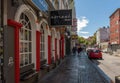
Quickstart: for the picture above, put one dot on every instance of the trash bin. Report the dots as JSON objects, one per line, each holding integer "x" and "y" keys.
{"x": 117, "y": 79}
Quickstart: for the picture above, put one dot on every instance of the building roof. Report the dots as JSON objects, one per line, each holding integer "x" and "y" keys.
{"x": 114, "y": 12}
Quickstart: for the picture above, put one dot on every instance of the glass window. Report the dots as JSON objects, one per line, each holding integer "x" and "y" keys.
{"x": 117, "y": 22}
{"x": 53, "y": 2}
{"x": 42, "y": 45}
{"x": 25, "y": 41}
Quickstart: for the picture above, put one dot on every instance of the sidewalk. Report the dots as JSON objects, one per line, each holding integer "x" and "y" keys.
{"x": 110, "y": 65}
{"x": 73, "y": 69}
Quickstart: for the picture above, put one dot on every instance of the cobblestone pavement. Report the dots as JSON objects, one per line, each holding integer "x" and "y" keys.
{"x": 73, "y": 69}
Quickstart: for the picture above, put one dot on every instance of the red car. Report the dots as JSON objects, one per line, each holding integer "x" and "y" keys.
{"x": 95, "y": 54}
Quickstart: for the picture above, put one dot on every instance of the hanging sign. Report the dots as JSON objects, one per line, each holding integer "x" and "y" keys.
{"x": 61, "y": 17}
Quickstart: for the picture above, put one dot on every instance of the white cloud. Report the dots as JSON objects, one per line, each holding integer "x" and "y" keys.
{"x": 82, "y": 23}
{"x": 85, "y": 36}
{"x": 83, "y": 32}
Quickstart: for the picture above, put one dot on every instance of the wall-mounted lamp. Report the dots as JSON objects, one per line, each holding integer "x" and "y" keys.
{"x": 67, "y": 33}
{"x": 40, "y": 14}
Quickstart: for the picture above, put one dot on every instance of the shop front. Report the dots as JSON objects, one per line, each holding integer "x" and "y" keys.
{"x": 20, "y": 45}
{"x": 29, "y": 44}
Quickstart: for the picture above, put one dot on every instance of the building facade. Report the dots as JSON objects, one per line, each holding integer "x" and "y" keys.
{"x": 115, "y": 27}
{"x": 29, "y": 39}
{"x": 73, "y": 28}
{"x": 102, "y": 35}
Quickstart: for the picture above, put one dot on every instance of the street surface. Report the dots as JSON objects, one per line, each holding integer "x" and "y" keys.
{"x": 74, "y": 69}
{"x": 110, "y": 65}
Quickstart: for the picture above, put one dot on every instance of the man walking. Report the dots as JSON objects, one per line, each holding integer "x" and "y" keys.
{"x": 74, "y": 50}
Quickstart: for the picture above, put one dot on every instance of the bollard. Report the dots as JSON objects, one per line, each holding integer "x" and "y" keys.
{"x": 117, "y": 79}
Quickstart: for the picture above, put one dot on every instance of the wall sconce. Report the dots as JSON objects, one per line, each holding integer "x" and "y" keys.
{"x": 40, "y": 14}
{"x": 67, "y": 34}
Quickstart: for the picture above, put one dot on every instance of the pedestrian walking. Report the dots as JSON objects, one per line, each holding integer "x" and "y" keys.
{"x": 79, "y": 50}
{"x": 74, "y": 49}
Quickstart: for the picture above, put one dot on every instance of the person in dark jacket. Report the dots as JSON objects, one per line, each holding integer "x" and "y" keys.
{"x": 79, "y": 50}
{"x": 74, "y": 49}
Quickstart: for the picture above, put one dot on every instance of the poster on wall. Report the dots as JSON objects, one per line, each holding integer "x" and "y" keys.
{"x": 61, "y": 17}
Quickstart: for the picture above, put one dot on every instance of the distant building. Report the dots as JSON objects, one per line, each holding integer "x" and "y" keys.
{"x": 102, "y": 35}
{"x": 115, "y": 27}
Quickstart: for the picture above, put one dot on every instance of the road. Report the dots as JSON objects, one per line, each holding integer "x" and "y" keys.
{"x": 110, "y": 65}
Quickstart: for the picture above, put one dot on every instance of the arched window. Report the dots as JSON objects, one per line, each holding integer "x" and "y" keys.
{"x": 42, "y": 44}
{"x": 25, "y": 41}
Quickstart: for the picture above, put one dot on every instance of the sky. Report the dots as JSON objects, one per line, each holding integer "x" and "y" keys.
{"x": 93, "y": 14}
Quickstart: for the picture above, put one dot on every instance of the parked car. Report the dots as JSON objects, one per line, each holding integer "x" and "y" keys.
{"x": 89, "y": 50}
{"x": 95, "y": 54}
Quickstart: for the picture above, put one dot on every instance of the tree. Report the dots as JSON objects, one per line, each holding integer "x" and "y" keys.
{"x": 81, "y": 39}
{"x": 91, "y": 41}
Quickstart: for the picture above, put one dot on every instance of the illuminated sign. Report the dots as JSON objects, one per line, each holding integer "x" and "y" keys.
{"x": 73, "y": 37}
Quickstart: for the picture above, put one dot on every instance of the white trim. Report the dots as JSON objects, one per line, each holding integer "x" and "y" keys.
{"x": 31, "y": 15}
{"x": 58, "y": 41}
{"x": 45, "y": 36}
{"x": 53, "y": 35}
{"x": 24, "y": 8}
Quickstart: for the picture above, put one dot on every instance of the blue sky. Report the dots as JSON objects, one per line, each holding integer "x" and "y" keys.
{"x": 93, "y": 14}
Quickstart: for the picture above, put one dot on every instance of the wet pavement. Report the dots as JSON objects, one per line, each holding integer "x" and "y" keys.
{"x": 73, "y": 69}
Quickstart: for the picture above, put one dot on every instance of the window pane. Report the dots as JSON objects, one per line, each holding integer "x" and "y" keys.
{"x": 29, "y": 25}
{"x": 25, "y": 41}
{"x": 30, "y": 58}
{"x": 26, "y": 18}
{"x": 26, "y": 59}
{"x": 21, "y": 34}
{"x": 30, "y": 36}
{"x": 21, "y": 60}
{"x": 21, "y": 17}
{"x": 30, "y": 47}
{"x": 25, "y": 47}
{"x": 21, "y": 47}
{"x": 26, "y": 34}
